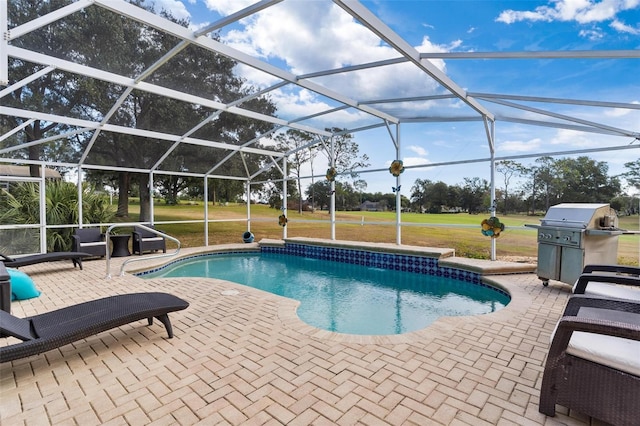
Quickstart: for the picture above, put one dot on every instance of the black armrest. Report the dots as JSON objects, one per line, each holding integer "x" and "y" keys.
{"x": 618, "y": 269}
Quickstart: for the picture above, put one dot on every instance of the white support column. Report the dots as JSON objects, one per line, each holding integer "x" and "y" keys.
{"x": 80, "y": 212}
{"x": 332, "y": 204}
{"x": 43, "y": 210}
{"x": 206, "y": 211}
{"x": 248, "y": 189}
{"x": 493, "y": 185}
{"x": 4, "y": 42}
{"x": 284, "y": 194}
{"x": 151, "y": 206}
{"x": 398, "y": 196}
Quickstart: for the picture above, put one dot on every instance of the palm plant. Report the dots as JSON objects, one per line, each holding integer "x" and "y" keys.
{"x": 61, "y": 204}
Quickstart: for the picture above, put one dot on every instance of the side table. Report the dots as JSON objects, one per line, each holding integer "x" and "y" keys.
{"x": 120, "y": 245}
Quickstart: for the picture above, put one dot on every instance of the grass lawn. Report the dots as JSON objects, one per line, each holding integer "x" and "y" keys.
{"x": 458, "y": 231}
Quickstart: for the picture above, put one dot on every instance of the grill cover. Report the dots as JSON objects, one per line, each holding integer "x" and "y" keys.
{"x": 576, "y": 215}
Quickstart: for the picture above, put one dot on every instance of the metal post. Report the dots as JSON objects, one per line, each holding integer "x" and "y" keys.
{"x": 4, "y": 43}
{"x": 332, "y": 203}
{"x": 398, "y": 196}
{"x": 43, "y": 210}
{"x": 206, "y": 211}
{"x": 493, "y": 186}
{"x": 151, "y": 206}
{"x": 284, "y": 194}
{"x": 80, "y": 213}
{"x": 248, "y": 188}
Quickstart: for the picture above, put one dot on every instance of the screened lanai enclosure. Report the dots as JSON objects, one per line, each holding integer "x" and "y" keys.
{"x": 121, "y": 93}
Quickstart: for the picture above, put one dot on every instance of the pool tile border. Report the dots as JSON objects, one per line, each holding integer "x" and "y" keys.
{"x": 424, "y": 265}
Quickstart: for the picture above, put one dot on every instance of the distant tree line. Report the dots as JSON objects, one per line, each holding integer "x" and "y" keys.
{"x": 519, "y": 189}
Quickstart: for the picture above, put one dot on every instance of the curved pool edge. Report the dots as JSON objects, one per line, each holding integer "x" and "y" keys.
{"x": 439, "y": 329}
{"x": 498, "y": 275}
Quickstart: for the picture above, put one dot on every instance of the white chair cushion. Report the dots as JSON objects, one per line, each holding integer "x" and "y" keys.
{"x": 615, "y": 352}
{"x": 153, "y": 239}
{"x": 94, "y": 244}
{"x": 612, "y": 290}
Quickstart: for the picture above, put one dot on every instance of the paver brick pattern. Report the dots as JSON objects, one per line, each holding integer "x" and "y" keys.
{"x": 244, "y": 358}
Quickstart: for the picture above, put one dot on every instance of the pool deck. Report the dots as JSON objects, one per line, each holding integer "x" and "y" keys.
{"x": 240, "y": 356}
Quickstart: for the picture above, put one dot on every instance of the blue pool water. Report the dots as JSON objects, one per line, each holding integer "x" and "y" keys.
{"x": 347, "y": 298}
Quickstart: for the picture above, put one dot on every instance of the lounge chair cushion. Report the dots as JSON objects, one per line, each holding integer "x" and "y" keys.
{"x": 22, "y": 286}
{"x": 611, "y": 290}
{"x": 615, "y": 352}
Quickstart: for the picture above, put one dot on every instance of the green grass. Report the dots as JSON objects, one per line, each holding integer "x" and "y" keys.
{"x": 463, "y": 233}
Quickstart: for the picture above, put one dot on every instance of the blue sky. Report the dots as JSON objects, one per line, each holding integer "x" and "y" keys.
{"x": 306, "y": 36}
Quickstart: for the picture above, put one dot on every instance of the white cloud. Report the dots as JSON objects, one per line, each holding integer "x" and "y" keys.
{"x": 301, "y": 103}
{"x": 308, "y": 36}
{"x": 530, "y": 145}
{"x": 418, "y": 150}
{"x": 575, "y": 139}
{"x": 617, "y": 112}
{"x": 581, "y": 11}
{"x": 592, "y": 34}
{"x": 227, "y": 7}
{"x": 411, "y": 161}
{"x": 623, "y": 28}
{"x": 176, "y": 7}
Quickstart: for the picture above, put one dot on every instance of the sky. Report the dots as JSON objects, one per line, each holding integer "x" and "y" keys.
{"x": 304, "y": 36}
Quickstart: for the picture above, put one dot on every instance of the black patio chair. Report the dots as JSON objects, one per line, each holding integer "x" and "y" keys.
{"x": 593, "y": 365}
{"x": 89, "y": 240}
{"x": 147, "y": 241}
{"x": 50, "y": 330}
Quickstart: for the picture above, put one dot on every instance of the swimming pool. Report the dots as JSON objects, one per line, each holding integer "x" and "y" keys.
{"x": 346, "y": 297}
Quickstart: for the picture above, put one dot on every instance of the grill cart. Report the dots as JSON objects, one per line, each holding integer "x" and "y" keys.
{"x": 572, "y": 235}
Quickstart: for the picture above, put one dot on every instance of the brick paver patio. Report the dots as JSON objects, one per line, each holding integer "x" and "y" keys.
{"x": 242, "y": 357}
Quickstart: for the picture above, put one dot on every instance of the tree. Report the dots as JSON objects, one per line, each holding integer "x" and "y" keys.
{"x": 583, "y": 180}
{"x": 543, "y": 182}
{"x": 431, "y": 196}
{"x": 472, "y": 194}
{"x": 296, "y": 142}
{"x": 56, "y": 92}
{"x": 105, "y": 40}
{"x": 346, "y": 154}
{"x": 322, "y": 192}
{"x": 633, "y": 175}
{"x": 360, "y": 185}
{"x": 419, "y": 194}
{"x": 508, "y": 169}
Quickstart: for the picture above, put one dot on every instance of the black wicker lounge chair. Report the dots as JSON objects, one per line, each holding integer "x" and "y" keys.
{"x": 612, "y": 281}
{"x": 16, "y": 262}
{"x": 593, "y": 365}
{"x": 41, "y": 333}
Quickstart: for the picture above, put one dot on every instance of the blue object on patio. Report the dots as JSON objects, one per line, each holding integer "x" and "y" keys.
{"x": 50, "y": 330}
{"x": 247, "y": 237}
{"x": 22, "y": 286}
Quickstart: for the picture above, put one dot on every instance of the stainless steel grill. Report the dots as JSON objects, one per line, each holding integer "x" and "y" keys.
{"x": 572, "y": 235}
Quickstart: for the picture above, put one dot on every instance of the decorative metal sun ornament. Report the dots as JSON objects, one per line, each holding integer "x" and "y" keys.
{"x": 492, "y": 227}
{"x": 396, "y": 168}
{"x": 331, "y": 174}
